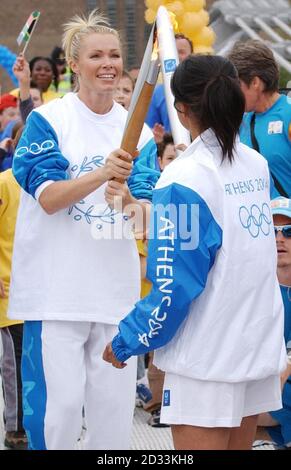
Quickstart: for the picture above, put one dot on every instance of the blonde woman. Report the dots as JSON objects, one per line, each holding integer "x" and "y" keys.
{"x": 74, "y": 272}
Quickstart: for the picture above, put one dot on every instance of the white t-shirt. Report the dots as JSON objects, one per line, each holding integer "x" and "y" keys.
{"x": 78, "y": 264}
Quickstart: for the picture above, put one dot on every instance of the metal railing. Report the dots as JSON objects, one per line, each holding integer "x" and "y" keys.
{"x": 265, "y": 20}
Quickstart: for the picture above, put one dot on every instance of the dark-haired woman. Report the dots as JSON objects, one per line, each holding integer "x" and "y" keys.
{"x": 44, "y": 74}
{"x": 214, "y": 314}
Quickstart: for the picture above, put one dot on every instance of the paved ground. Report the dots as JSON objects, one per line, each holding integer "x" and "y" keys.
{"x": 144, "y": 437}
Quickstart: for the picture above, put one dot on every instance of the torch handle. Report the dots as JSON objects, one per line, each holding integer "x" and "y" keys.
{"x": 134, "y": 128}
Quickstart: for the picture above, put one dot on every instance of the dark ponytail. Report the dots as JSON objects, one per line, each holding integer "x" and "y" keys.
{"x": 209, "y": 85}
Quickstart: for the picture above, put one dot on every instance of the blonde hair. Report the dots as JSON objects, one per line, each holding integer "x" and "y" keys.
{"x": 80, "y": 26}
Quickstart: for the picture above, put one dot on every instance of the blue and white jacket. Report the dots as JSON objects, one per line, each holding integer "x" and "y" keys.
{"x": 78, "y": 264}
{"x": 214, "y": 312}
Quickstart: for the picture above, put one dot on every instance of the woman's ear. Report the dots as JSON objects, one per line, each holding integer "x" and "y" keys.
{"x": 74, "y": 66}
{"x": 183, "y": 108}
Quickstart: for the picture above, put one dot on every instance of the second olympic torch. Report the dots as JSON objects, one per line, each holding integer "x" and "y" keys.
{"x": 169, "y": 61}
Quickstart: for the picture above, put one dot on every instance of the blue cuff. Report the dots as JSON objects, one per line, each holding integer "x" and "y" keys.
{"x": 121, "y": 352}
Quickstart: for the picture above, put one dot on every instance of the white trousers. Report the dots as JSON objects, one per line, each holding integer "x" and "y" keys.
{"x": 63, "y": 371}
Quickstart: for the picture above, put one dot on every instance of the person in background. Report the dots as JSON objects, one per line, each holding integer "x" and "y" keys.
{"x": 276, "y": 425}
{"x": 65, "y": 79}
{"x": 5, "y": 151}
{"x": 134, "y": 71}
{"x": 36, "y": 97}
{"x": 11, "y": 330}
{"x": 30, "y": 95}
{"x": 204, "y": 259}
{"x": 166, "y": 151}
{"x": 9, "y": 112}
{"x": 9, "y": 118}
{"x": 44, "y": 74}
{"x": 143, "y": 393}
{"x": 267, "y": 123}
{"x": 157, "y": 117}
{"x": 86, "y": 273}
{"x": 124, "y": 90}
{"x": 123, "y": 95}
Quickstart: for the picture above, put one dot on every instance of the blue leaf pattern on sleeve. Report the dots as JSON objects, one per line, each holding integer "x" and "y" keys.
{"x": 181, "y": 255}
{"x": 37, "y": 157}
{"x": 144, "y": 174}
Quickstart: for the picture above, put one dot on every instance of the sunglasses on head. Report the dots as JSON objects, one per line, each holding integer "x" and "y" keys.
{"x": 285, "y": 229}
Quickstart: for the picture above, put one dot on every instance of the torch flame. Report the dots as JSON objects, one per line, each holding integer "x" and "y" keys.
{"x": 155, "y": 53}
{"x": 174, "y": 21}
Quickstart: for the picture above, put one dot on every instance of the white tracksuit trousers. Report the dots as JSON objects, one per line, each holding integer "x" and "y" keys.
{"x": 62, "y": 372}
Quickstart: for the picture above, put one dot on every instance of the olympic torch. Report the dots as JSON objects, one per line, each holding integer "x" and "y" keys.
{"x": 142, "y": 95}
{"x": 137, "y": 112}
{"x": 169, "y": 60}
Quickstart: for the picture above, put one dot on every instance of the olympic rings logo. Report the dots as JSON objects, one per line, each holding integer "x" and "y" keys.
{"x": 256, "y": 220}
{"x": 35, "y": 148}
